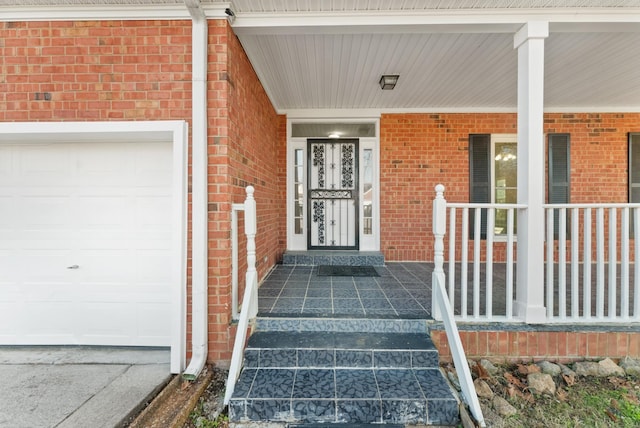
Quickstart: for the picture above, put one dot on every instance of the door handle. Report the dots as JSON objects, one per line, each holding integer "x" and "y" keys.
{"x": 73, "y": 267}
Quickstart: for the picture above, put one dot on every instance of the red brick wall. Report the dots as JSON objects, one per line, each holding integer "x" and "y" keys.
{"x": 418, "y": 151}
{"x": 95, "y": 70}
{"x": 141, "y": 70}
{"x": 563, "y": 346}
{"x": 247, "y": 155}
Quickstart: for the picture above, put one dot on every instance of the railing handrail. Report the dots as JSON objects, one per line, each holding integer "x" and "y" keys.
{"x": 485, "y": 205}
{"x": 598, "y": 205}
{"x": 250, "y": 301}
{"x": 444, "y": 311}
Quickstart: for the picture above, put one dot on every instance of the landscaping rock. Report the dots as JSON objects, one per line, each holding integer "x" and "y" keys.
{"x": 489, "y": 367}
{"x": 566, "y": 371}
{"x": 631, "y": 366}
{"x": 483, "y": 389}
{"x": 550, "y": 368}
{"x": 502, "y": 406}
{"x": 541, "y": 383}
{"x": 453, "y": 378}
{"x": 603, "y": 368}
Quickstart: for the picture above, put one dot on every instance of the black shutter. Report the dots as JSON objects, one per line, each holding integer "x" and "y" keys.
{"x": 634, "y": 167}
{"x": 559, "y": 175}
{"x": 480, "y": 176}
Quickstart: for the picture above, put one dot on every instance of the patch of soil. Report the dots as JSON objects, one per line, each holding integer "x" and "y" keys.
{"x": 578, "y": 401}
{"x": 210, "y": 410}
{"x": 172, "y": 406}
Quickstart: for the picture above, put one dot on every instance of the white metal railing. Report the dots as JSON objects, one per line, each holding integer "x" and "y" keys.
{"x": 249, "y": 308}
{"x": 472, "y": 249}
{"x": 442, "y": 310}
{"x": 589, "y": 251}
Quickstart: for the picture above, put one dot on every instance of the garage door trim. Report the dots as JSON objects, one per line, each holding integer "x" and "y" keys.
{"x": 152, "y": 131}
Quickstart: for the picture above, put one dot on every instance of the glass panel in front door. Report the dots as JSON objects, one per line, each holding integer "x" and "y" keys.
{"x": 333, "y": 194}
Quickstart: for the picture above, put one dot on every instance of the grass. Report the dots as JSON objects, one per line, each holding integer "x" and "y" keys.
{"x": 592, "y": 402}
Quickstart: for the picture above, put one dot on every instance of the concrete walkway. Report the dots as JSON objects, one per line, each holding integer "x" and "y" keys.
{"x": 76, "y": 386}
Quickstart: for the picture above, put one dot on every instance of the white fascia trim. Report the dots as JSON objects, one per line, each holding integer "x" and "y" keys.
{"x": 108, "y": 12}
{"x": 437, "y": 21}
{"x": 373, "y": 113}
{"x": 595, "y": 109}
{"x": 148, "y": 131}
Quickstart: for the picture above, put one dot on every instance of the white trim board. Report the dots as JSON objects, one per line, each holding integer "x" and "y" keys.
{"x": 173, "y": 131}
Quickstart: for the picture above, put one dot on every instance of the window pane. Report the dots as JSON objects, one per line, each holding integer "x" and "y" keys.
{"x": 367, "y": 188}
{"x": 333, "y": 130}
{"x": 506, "y": 182}
{"x": 506, "y": 163}
{"x": 298, "y": 196}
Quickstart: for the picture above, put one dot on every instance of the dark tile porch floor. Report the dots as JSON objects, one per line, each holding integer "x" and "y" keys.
{"x": 403, "y": 290}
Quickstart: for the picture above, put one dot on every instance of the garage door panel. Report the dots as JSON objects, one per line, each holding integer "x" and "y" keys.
{"x": 43, "y": 266}
{"x": 103, "y": 207}
{"x": 49, "y": 318}
{"x": 9, "y": 325}
{"x": 151, "y": 332}
{"x": 39, "y": 211}
{"x": 103, "y": 211}
{"x": 108, "y": 319}
{"x": 39, "y": 164}
{"x": 150, "y": 212}
{"x": 8, "y": 216}
{"x": 6, "y": 162}
{"x": 151, "y": 165}
{"x": 153, "y": 266}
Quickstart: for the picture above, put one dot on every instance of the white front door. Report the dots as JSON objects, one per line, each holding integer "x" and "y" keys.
{"x": 333, "y": 194}
{"x": 85, "y": 243}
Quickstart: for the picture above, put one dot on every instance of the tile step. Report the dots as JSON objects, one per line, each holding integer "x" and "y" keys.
{"x": 344, "y": 396}
{"x": 295, "y": 324}
{"x": 340, "y": 350}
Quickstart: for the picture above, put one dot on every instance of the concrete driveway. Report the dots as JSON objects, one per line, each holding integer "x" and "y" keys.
{"x": 74, "y": 386}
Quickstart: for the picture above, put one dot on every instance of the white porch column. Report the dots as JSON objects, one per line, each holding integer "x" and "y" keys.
{"x": 529, "y": 41}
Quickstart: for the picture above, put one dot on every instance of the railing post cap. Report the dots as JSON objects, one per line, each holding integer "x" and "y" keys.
{"x": 439, "y": 188}
{"x": 250, "y": 190}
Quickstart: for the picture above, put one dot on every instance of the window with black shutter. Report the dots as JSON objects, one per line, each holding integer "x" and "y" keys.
{"x": 480, "y": 176}
{"x": 492, "y": 168}
{"x": 559, "y": 176}
{"x": 634, "y": 167}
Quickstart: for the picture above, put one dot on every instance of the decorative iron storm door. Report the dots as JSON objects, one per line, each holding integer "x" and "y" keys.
{"x": 333, "y": 194}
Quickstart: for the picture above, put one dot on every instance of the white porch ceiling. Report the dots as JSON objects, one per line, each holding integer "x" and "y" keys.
{"x": 442, "y": 71}
{"x": 451, "y": 55}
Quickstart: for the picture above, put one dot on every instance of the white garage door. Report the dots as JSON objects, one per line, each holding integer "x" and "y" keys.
{"x": 85, "y": 243}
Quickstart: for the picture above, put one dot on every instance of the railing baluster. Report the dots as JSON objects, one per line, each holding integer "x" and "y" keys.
{"x": 613, "y": 249}
{"x": 465, "y": 263}
{"x": 575, "y": 263}
{"x": 586, "y": 275}
{"x": 452, "y": 257}
{"x": 636, "y": 265}
{"x": 491, "y": 213}
{"x": 600, "y": 263}
{"x": 562, "y": 264}
{"x": 550, "y": 263}
{"x": 509, "y": 277}
{"x": 476, "y": 262}
{"x": 624, "y": 266}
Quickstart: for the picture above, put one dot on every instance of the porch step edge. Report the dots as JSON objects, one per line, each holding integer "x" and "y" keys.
{"x": 344, "y": 325}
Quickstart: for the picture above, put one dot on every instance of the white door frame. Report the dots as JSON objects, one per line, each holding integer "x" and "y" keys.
{"x": 153, "y": 131}
{"x": 298, "y": 242}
